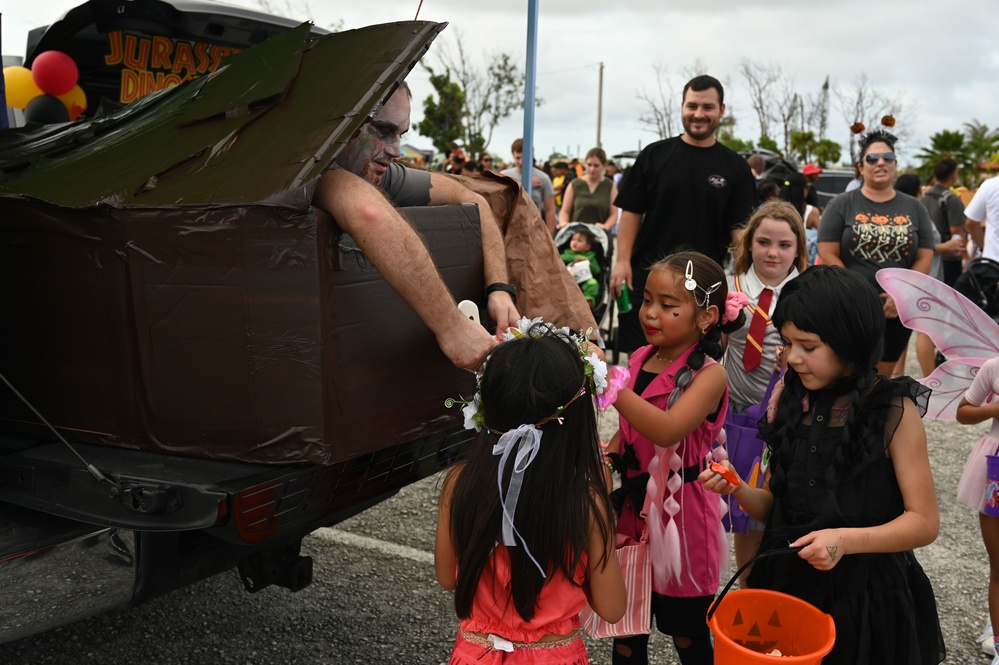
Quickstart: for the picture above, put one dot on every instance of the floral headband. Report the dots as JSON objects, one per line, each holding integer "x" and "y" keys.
{"x": 594, "y": 368}
{"x": 524, "y": 442}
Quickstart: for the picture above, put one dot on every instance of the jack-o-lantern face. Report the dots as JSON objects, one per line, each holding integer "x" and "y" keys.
{"x": 862, "y": 218}
{"x": 747, "y": 633}
{"x": 880, "y": 220}
{"x": 900, "y": 220}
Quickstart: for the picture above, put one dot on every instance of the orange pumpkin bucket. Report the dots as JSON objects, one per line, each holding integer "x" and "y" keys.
{"x": 750, "y": 624}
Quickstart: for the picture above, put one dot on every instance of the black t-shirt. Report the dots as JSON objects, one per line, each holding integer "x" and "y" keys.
{"x": 691, "y": 197}
{"x": 812, "y": 198}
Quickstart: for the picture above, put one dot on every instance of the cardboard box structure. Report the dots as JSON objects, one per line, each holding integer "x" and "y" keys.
{"x": 168, "y": 286}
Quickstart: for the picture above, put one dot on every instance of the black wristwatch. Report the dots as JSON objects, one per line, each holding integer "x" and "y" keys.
{"x": 506, "y": 288}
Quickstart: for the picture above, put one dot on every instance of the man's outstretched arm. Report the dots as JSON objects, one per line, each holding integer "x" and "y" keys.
{"x": 383, "y": 235}
{"x": 444, "y": 190}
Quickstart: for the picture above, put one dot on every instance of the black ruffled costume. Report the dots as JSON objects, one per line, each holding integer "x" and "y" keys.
{"x": 882, "y": 604}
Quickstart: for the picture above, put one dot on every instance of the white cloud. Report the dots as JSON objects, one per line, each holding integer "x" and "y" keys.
{"x": 944, "y": 60}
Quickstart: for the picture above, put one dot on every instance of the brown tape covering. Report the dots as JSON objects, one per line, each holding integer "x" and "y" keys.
{"x": 544, "y": 286}
{"x": 239, "y": 333}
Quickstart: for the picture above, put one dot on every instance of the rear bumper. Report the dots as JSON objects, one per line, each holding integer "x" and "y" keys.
{"x": 234, "y": 501}
{"x": 55, "y": 571}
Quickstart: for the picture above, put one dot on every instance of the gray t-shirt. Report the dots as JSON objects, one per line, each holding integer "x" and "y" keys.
{"x": 876, "y": 235}
{"x": 406, "y": 186}
{"x": 946, "y": 209}
{"x": 537, "y": 193}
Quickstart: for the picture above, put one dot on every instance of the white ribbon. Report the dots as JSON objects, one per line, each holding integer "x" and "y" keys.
{"x": 527, "y": 440}
{"x": 501, "y": 644}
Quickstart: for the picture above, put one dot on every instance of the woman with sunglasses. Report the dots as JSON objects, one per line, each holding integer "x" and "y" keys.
{"x": 875, "y": 227}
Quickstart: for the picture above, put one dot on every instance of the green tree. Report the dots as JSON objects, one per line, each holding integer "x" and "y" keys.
{"x": 946, "y": 143}
{"x": 491, "y": 95}
{"x": 768, "y": 143}
{"x": 807, "y": 148}
{"x": 442, "y": 116}
{"x": 726, "y": 136}
{"x": 827, "y": 152}
{"x": 982, "y": 143}
{"x": 736, "y": 144}
{"x": 803, "y": 145}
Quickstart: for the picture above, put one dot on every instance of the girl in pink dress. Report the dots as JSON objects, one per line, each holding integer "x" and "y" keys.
{"x": 525, "y": 533}
{"x": 671, "y": 415}
{"x": 975, "y": 489}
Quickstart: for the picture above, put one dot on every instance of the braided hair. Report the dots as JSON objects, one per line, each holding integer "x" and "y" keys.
{"x": 706, "y": 273}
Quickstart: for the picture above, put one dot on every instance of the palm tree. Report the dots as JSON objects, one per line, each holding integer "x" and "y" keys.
{"x": 943, "y": 144}
{"x": 983, "y": 143}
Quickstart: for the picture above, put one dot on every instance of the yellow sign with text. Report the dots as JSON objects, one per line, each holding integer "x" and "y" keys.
{"x": 153, "y": 63}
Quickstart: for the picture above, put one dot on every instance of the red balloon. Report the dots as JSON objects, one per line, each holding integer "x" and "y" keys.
{"x": 54, "y": 72}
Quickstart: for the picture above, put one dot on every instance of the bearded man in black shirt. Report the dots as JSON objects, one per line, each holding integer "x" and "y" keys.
{"x": 687, "y": 192}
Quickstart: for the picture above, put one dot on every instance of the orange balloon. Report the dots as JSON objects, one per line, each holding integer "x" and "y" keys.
{"x": 20, "y": 85}
{"x": 75, "y": 102}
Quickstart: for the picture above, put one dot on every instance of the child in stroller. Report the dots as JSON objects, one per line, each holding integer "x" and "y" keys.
{"x": 584, "y": 251}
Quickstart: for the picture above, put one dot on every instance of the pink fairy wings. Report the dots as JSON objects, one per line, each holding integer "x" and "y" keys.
{"x": 965, "y": 334}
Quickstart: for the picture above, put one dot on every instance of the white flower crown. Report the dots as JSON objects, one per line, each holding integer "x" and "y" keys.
{"x": 594, "y": 368}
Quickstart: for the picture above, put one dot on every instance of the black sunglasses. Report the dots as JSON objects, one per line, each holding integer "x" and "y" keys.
{"x": 873, "y": 157}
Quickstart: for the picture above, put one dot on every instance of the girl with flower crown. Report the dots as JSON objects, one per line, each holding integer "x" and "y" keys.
{"x": 525, "y": 533}
{"x": 672, "y": 409}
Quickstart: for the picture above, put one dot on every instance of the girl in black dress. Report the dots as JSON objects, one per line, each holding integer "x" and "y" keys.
{"x": 849, "y": 478}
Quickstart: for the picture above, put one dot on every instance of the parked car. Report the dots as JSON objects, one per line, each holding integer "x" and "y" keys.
{"x": 832, "y": 182}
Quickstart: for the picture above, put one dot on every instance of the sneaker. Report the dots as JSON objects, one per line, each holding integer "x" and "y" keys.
{"x": 995, "y": 659}
{"x": 986, "y": 633}
{"x": 989, "y": 649}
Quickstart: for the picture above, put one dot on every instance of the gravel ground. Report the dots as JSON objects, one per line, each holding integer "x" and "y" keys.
{"x": 956, "y": 562}
{"x": 372, "y": 604}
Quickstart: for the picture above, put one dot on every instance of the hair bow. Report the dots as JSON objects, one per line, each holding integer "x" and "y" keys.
{"x": 734, "y": 303}
{"x": 526, "y": 440}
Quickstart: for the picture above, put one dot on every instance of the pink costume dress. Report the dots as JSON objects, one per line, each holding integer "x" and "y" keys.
{"x": 971, "y": 489}
{"x": 493, "y": 613}
{"x": 686, "y": 558}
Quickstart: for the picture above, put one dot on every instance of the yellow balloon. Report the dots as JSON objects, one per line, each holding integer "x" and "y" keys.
{"x": 21, "y": 87}
{"x": 75, "y": 102}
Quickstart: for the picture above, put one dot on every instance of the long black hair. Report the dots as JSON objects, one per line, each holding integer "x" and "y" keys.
{"x": 844, "y": 310}
{"x": 706, "y": 273}
{"x": 525, "y": 382}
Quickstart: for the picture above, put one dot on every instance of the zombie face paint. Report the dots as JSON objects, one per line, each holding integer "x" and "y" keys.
{"x": 377, "y": 143}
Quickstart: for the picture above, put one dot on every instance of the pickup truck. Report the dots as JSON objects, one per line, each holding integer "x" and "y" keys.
{"x": 198, "y": 370}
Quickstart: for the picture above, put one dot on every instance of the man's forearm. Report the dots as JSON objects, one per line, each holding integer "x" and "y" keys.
{"x": 550, "y": 213}
{"x": 626, "y": 233}
{"x": 385, "y": 237}
{"x": 924, "y": 260}
{"x": 977, "y": 233}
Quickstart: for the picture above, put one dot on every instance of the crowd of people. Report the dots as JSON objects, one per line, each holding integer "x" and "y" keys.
{"x": 790, "y": 332}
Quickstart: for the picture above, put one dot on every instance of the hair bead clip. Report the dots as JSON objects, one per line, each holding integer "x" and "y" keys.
{"x": 691, "y": 285}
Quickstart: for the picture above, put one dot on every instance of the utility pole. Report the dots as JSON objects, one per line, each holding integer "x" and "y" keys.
{"x": 600, "y": 104}
{"x": 531, "y": 80}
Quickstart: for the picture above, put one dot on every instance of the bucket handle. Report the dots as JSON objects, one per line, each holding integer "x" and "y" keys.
{"x": 763, "y": 555}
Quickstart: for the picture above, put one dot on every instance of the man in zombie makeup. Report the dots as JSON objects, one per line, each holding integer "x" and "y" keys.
{"x": 371, "y": 154}
{"x": 345, "y": 192}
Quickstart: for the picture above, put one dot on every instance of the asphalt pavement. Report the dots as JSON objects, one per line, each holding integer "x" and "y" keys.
{"x": 375, "y": 599}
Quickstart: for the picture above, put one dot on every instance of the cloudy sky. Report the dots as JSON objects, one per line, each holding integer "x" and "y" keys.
{"x": 941, "y": 58}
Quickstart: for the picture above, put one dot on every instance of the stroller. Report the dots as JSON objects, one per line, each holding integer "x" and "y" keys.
{"x": 603, "y": 304}
{"x": 980, "y": 284}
